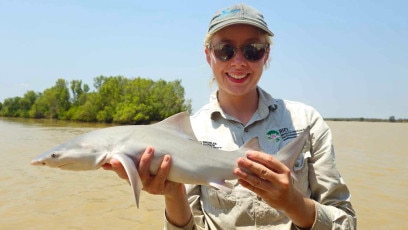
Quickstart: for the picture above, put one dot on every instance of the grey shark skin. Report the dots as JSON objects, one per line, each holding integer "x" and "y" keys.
{"x": 192, "y": 163}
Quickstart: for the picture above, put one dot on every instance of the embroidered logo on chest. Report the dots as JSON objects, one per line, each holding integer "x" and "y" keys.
{"x": 273, "y": 136}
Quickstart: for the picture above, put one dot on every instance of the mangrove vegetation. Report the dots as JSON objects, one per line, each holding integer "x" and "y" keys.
{"x": 115, "y": 99}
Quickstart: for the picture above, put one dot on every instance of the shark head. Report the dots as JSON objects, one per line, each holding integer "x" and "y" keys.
{"x": 72, "y": 155}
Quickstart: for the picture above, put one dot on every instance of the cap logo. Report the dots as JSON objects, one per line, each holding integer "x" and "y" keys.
{"x": 228, "y": 12}
{"x": 238, "y": 14}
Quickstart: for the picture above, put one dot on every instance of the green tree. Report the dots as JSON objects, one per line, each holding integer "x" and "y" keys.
{"x": 111, "y": 91}
{"x": 134, "y": 106}
{"x": 89, "y": 110}
{"x": 78, "y": 91}
{"x": 27, "y": 102}
{"x": 168, "y": 99}
{"x": 19, "y": 106}
{"x": 79, "y": 94}
{"x": 98, "y": 81}
{"x": 53, "y": 103}
{"x": 11, "y": 107}
{"x": 392, "y": 119}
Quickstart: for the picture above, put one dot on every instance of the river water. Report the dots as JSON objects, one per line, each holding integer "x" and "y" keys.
{"x": 372, "y": 158}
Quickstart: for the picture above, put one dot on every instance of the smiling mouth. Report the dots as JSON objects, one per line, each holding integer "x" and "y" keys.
{"x": 237, "y": 76}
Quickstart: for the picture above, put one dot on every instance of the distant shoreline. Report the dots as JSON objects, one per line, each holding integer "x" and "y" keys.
{"x": 362, "y": 119}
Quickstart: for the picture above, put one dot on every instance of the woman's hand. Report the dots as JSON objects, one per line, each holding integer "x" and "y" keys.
{"x": 272, "y": 181}
{"x": 177, "y": 207}
{"x": 154, "y": 184}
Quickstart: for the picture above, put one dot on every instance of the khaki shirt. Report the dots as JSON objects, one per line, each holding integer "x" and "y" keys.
{"x": 276, "y": 122}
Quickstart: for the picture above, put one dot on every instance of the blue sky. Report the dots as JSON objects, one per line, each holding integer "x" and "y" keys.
{"x": 345, "y": 58}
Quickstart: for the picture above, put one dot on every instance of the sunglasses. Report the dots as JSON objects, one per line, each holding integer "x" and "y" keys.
{"x": 251, "y": 51}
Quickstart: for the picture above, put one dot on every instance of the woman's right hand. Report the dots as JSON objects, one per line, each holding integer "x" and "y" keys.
{"x": 177, "y": 208}
{"x": 154, "y": 184}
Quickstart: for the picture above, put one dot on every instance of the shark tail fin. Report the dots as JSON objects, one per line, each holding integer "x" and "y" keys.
{"x": 132, "y": 174}
{"x": 290, "y": 152}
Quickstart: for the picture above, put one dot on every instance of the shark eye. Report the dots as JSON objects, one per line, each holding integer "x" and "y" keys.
{"x": 54, "y": 155}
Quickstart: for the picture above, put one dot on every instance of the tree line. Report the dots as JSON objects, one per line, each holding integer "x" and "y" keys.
{"x": 116, "y": 99}
{"x": 390, "y": 119}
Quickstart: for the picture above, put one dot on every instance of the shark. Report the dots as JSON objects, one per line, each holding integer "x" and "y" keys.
{"x": 192, "y": 162}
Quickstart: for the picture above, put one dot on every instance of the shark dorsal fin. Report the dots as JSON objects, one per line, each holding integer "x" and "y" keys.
{"x": 180, "y": 123}
{"x": 252, "y": 144}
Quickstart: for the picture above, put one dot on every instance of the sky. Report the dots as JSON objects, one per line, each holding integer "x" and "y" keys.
{"x": 344, "y": 58}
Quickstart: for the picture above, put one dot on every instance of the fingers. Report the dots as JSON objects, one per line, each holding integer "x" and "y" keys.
{"x": 251, "y": 180}
{"x": 107, "y": 166}
{"x": 144, "y": 164}
{"x": 117, "y": 167}
{"x": 154, "y": 184}
{"x": 261, "y": 172}
{"x": 268, "y": 161}
{"x": 158, "y": 183}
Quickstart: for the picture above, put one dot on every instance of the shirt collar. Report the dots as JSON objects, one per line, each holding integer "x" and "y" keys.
{"x": 266, "y": 104}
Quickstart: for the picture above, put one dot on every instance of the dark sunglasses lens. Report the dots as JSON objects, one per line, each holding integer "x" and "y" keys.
{"x": 253, "y": 52}
{"x": 224, "y": 52}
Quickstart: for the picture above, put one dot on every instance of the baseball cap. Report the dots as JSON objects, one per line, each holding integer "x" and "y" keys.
{"x": 238, "y": 14}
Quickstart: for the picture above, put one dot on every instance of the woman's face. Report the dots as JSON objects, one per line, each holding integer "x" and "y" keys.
{"x": 237, "y": 76}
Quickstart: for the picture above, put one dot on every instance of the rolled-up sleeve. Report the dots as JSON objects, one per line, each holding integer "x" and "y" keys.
{"x": 169, "y": 226}
{"x": 193, "y": 194}
{"x": 328, "y": 189}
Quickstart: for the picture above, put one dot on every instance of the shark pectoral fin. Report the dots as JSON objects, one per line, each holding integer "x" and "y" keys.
{"x": 132, "y": 174}
{"x": 224, "y": 186}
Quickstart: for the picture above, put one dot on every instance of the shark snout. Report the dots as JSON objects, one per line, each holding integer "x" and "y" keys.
{"x": 37, "y": 162}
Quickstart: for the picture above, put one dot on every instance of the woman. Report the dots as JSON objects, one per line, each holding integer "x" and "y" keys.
{"x": 237, "y": 49}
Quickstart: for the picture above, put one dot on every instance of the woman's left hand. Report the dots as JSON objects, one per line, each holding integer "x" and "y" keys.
{"x": 268, "y": 177}
{"x": 271, "y": 180}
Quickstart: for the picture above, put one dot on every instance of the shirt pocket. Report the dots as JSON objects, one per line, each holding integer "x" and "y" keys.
{"x": 217, "y": 200}
{"x": 301, "y": 172}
